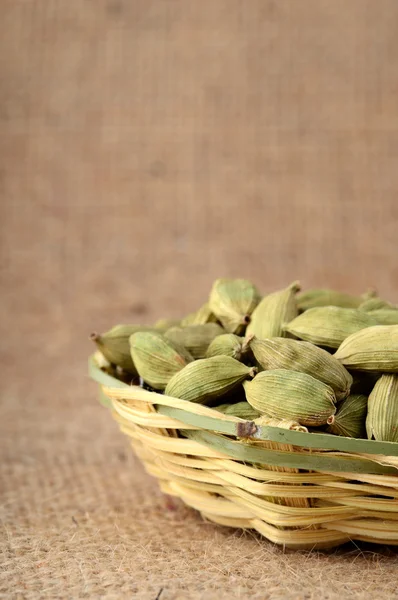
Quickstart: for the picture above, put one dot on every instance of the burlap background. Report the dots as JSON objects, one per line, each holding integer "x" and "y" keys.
{"x": 148, "y": 146}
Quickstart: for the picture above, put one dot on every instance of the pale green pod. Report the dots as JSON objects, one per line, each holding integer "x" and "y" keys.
{"x": 329, "y": 326}
{"x": 207, "y": 379}
{"x": 325, "y": 297}
{"x": 227, "y": 344}
{"x": 243, "y": 410}
{"x": 195, "y": 338}
{"x": 295, "y": 355}
{"x": 382, "y": 419}
{"x": 350, "y": 418}
{"x": 371, "y": 349}
{"x": 372, "y": 304}
{"x": 386, "y": 316}
{"x": 233, "y": 301}
{"x": 165, "y": 324}
{"x": 292, "y": 396}
{"x": 114, "y": 345}
{"x": 199, "y": 317}
{"x": 273, "y": 311}
{"x": 156, "y": 358}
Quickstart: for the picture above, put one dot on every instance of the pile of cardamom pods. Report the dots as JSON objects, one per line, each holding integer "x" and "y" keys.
{"x": 318, "y": 360}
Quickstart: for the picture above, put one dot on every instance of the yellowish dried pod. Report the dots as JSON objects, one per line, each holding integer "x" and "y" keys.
{"x": 292, "y": 396}
{"x": 326, "y": 297}
{"x": 350, "y": 418}
{"x": 382, "y": 419}
{"x": 114, "y": 345}
{"x": 207, "y": 379}
{"x": 233, "y": 301}
{"x": 371, "y": 349}
{"x": 265, "y": 421}
{"x": 273, "y": 311}
{"x": 329, "y": 326}
{"x": 156, "y": 358}
{"x": 199, "y": 317}
{"x": 296, "y": 355}
{"x": 195, "y": 338}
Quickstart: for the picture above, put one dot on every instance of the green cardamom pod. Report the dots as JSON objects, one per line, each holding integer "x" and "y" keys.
{"x": 371, "y": 349}
{"x": 350, "y": 418}
{"x": 382, "y": 419}
{"x": 200, "y": 317}
{"x": 273, "y": 312}
{"x": 291, "y": 395}
{"x": 329, "y": 326}
{"x": 207, "y": 379}
{"x": 227, "y": 344}
{"x": 233, "y": 301}
{"x": 325, "y": 297}
{"x": 372, "y": 304}
{"x": 157, "y": 358}
{"x": 295, "y": 355}
{"x": 386, "y": 316}
{"x": 195, "y": 338}
{"x": 243, "y": 410}
{"x": 114, "y": 345}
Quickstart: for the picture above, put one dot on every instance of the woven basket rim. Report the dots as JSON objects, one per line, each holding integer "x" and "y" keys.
{"x": 215, "y": 422}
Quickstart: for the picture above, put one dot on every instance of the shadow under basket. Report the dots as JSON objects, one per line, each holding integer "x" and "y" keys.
{"x": 300, "y": 490}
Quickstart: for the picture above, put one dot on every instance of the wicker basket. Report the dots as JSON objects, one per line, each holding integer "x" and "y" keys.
{"x": 301, "y": 490}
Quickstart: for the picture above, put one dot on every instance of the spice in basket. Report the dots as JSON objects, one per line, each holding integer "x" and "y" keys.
{"x": 273, "y": 311}
{"x": 329, "y": 326}
{"x": 214, "y": 353}
{"x": 208, "y": 379}
{"x": 288, "y": 394}
{"x": 296, "y": 355}
{"x": 233, "y": 301}
{"x": 157, "y": 358}
{"x": 382, "y": 419}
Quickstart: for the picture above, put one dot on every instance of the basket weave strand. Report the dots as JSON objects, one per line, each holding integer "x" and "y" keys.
{"x": 296, "y": 489}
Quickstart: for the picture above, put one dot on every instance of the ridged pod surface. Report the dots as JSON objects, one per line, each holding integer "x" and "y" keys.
{"x": 382, "y": 419}
{"x": 233, "y": 301}
{"x": 296, "y": 355}
{"x": 156, "y": 358}
{"x": 329, "y": 325}
{"x": 372, "y": 349}
{"x": 227, "y": 344}
{"x": 291, "y": 395}
{"x": 195, "y": 338}
{"x": 273, "y": 311}
{"x": 207, "y": 379}
{"x": 114, "y": 345}
{"x": 350, "y": 418}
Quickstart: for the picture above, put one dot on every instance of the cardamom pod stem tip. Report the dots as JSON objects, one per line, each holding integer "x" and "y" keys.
{"x": 253, "y": 372}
